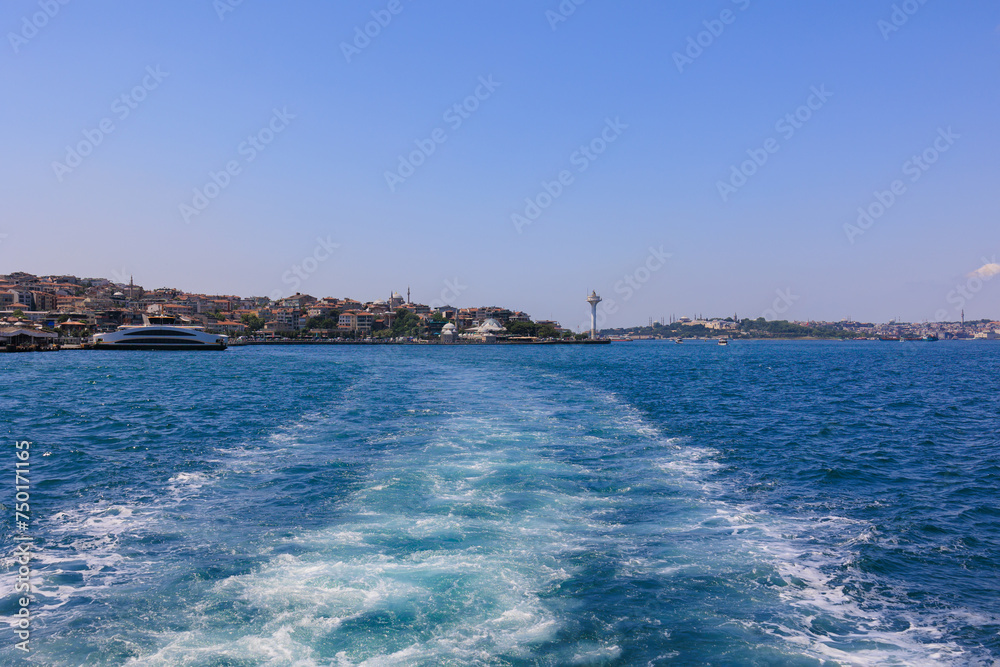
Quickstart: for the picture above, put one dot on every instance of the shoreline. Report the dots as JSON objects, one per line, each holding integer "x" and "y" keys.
{"x": 434, "y": 343}
{"x": 603, "y": 341}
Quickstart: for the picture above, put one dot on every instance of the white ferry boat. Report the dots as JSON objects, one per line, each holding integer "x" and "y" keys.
{"x": 159, "y": 332}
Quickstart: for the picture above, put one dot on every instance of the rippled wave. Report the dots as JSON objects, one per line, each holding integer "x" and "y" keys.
{"x": 760, "y": 503}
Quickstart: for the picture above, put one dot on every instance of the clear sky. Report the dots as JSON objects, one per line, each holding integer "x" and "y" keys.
{"x": 352, "y": 173}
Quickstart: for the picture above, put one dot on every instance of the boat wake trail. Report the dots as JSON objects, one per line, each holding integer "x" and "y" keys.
{"x": 452, "y": 550}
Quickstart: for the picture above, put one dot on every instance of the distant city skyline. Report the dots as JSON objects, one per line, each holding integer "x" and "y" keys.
{"x": 394, "y": 300}
{"x": 815, "y": 162}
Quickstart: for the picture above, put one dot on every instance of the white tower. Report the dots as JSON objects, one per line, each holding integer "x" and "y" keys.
{"x": 593, "y": 300}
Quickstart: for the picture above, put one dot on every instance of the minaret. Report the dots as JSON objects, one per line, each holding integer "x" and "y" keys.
{"x": 593, "y": 300}
{"x": 407, "y": 294}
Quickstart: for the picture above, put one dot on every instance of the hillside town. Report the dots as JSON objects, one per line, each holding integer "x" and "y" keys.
{"x": 70, "y": 309}
{"x": 66, "y": 309}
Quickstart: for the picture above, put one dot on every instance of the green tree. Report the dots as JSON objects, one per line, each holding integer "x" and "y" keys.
{"x": 329, "y": 321}
{"x": 547, "y": 331}
{"x": 405, "y": 324}
{"x": 253, "y": 322}
{"x": 522, "y": 329}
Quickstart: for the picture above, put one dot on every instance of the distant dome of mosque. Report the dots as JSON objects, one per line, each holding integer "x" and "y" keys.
{"x": 448, "y": 327}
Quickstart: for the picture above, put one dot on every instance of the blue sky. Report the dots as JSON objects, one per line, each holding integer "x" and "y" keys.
{"x": 640, "y": 215}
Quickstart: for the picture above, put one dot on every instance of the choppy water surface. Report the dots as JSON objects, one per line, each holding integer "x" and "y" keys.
{"x": 640, "y": 503}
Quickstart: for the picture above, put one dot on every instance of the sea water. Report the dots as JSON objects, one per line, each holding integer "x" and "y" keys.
{"x": 762, "y": 503}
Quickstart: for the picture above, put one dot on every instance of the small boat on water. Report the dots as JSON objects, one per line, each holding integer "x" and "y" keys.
{"x": 159, "y": 333}
{"x": 678, "y": 341}
{"x": 723, "y": 341}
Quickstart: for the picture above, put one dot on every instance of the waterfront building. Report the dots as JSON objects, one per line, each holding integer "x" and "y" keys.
{"x": 291, "y": 318}
{"x": 490, "y": 326}
{"x": 20, "y": 336}
{"x": 353, "y": 320}
{"x": 228, "y": 327}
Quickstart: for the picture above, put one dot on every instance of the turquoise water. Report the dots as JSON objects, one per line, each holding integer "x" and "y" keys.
{"x": 641, "y": 503}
